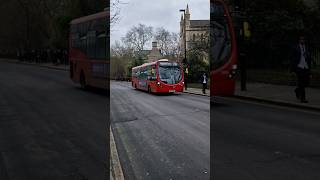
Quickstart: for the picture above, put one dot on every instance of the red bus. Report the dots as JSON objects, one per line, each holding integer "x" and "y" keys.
{"x": 223, "y": 52}
{"x": 162, "y": 76}
{"x": 89, "y": 50}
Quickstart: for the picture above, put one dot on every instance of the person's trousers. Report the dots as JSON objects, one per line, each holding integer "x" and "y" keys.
{"x": 303, "y": 77}
{"x": 204, "y": 87}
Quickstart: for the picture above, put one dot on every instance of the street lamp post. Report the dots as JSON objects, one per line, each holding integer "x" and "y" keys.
{"x": 185, "y": 46}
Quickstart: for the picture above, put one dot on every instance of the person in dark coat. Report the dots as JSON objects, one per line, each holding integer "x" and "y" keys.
{"x": 301, "y": 65}
{"x": 204, "y": 81}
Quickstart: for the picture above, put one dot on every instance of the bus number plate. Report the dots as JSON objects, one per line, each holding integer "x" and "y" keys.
{"x": 172, "y": 91}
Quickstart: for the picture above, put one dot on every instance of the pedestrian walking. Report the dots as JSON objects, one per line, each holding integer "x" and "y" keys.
{"x": 301, "y": 66}
{"x": 204, "y": 81}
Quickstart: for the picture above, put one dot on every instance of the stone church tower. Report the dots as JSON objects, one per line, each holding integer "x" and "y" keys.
{"x": 197, "y": 31}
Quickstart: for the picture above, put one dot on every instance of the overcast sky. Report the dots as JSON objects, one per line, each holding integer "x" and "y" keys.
{"x": 157, "y": 13}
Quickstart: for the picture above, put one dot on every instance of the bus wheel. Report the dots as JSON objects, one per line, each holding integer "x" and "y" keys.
{"x": 83, "y": 81}
{"x": 149, "y": 89}
{"x": 135, "y": 86}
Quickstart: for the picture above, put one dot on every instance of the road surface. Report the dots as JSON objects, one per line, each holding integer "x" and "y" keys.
{"x": 161, "y": 136}
{"x": 49, "y": 128}
{"x": 254, "y": 141}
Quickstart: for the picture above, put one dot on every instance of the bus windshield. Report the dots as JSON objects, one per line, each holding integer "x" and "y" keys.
{"x": 170, "y": 72}
{"x": 220, "y": 36}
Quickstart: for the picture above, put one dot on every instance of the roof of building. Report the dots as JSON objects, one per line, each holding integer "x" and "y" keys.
{"x": 199, "y": 23}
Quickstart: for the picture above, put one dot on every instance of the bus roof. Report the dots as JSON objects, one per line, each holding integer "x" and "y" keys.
{"x": 99, "y": 15}
{"x": 145, "y": 64}
{"x": 163, "y": 60}
{"x": 151, "y": 63}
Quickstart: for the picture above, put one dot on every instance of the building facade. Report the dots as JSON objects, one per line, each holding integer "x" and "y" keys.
{"x": 155, "y": 53}
{"x": 194, "y": 34}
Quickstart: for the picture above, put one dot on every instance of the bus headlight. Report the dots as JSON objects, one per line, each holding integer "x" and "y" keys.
{"x": 232, "y": 73}
{"x": 158, "y": 83}
{"x": 182, "y": 82}
{"x": 234, "y": 67}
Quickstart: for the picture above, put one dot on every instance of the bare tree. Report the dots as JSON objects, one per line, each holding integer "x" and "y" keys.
{"x": 121, "y": 61}
{"x": 119, "y": 50}
{"x": 138, "y": 36}
{"x": 174, "y": 44}
{"x": 162, "y": 36}
{"x": 115, "y": 12}
{"x": 168, "y": 42}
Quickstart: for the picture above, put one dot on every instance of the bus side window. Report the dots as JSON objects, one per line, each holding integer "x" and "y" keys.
{"x": 101, "y": 49}
{"x": 138, "y": 74}
{"x": 145, "y": 73}
{"x": 101, "y": 39}
{"x": 153, "y": 72}
{"x": 148, "y": 69}
{"x": 91, "y": 42}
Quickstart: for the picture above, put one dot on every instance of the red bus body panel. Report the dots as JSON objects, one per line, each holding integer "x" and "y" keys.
{"x": 222, "y": 84}
{"x": 81, "y": 63}
{"x": 154, "y": 87}
{"x": 96, "y": 71}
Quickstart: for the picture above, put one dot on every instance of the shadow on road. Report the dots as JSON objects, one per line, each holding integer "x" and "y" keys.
{"x": 158, "y": 94}
{"x": 97, "y": 91}
{"x": 215, "y": 104}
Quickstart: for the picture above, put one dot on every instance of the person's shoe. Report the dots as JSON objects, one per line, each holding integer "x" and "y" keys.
{"x": 304, "y": 101}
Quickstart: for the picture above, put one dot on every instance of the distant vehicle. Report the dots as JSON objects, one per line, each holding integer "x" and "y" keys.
{"x": 89, "y": 50}
{"x": 223, "y": 52}
{"x": 162, "y": 76}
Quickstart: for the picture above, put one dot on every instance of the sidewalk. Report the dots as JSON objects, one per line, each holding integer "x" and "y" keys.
{"x": 197, "y": 91}
{"x": 116, "y": 172}
{"x": 279, "y": 94}
{"x": 63, "y": 67}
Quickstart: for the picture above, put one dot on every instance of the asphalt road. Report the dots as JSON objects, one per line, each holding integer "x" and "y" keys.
{"x": 50, "y": 128}
{"x": 253, "y": 141}
{"x": 161, "y": 136}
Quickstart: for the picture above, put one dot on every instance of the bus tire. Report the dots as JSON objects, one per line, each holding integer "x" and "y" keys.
{"x": 83, "y": 81}
{"x": 149, "y": 90}
{"x": 135, "y": 86}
